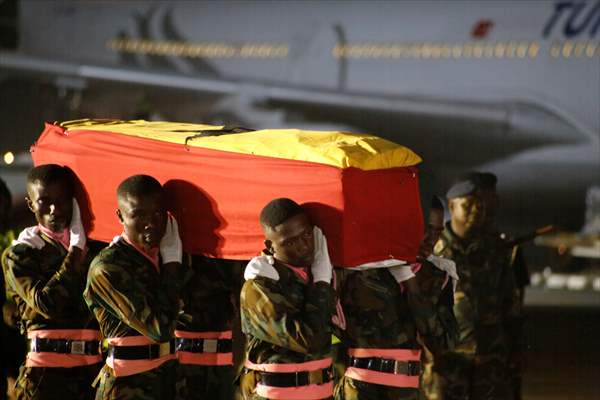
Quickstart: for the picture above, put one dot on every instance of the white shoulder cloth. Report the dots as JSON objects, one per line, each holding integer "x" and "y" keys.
{"x": 445, "y": 265}
{"x": 29, "y": 237}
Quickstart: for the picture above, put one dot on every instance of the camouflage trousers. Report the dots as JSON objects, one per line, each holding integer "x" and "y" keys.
{"x": 156, "y": 384}
{"x": 197, "y": 382}
{"x": 351, "y": 389}
{"x": 476, "y": 379}
{"x": 56, "y": 383}
{"x": 430, "y": 382}
{"x": 339, "y": 355}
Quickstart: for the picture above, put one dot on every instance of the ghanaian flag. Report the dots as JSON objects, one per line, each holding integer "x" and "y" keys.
{"x": 361, "y": 189}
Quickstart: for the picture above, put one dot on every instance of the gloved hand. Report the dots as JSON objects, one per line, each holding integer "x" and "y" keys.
{"x": 77, "y": 237}
{"x": 171, "y": 248}
{"x": 261, "y": 266}
{"x": 321, "y": 268}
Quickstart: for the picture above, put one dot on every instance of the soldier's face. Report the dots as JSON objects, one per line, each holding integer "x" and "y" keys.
{"x": 292, "y": 242}
{"x": 144, "y": 218}
{"x": 467, "y": 212}
{"x": 433, "y": 230}
{"x": 51, "y": 203}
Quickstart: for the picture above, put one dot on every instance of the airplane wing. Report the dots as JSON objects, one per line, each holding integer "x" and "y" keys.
{"x": 491, "y": 130}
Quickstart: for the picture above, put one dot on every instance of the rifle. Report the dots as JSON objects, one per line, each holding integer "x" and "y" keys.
{"x": 544, "y": 230}
{"x": 520, "y": 240}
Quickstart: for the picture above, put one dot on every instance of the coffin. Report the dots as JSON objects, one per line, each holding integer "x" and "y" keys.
{"x": 361, "y": 189}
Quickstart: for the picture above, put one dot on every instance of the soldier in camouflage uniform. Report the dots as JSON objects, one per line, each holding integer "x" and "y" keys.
{"x": 204, "y": 331}
{"x": 286, "y": 307}
{"x": 386, "y": 312}
{"x": 45, "y": 273}
{"x": 486, "y": 303}
{"x": 6, "y": 238}
{"x": 436, "y": 278}
{"x": 486, "y": 182}
{"x": 133, "y": 289}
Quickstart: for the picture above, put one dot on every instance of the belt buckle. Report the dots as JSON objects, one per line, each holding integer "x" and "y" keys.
{"x": 209, "y": 345}
{"x": 77, "y": 347}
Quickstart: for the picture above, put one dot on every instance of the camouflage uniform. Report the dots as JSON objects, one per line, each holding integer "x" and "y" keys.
{"x": 437, "y": 286}
{"x": 208, "y": 297}
{"x": 285, "y": 321}
{"x": 47, "y": 294}
{"x": 487, "y": 310}
{"x": 129, "y": 297}
{"x": 518, "y": 338}
{"x": 6, "y": 239}
{"x": 380, "y": 315}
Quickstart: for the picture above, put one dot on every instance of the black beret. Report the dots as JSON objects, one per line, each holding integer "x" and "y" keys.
{"x": 461, "y": 188}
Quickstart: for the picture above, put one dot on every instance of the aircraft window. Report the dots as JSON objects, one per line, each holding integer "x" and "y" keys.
{"x": 413, "y": 50}
{"x": 199, "y": 50}
{"x": 431, "y": 51}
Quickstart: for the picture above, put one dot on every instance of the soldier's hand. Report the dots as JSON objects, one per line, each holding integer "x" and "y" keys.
{"x": 171, "y": 248}
{"x": 321, "y": 268}
{"x": 77, "y": 237}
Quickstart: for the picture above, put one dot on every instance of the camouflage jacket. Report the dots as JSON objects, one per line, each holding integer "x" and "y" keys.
{"x": 46, "y": 291}
{"x": 485, "y": 302}
{"x": 6, "y": 239}
{"x": 208, "y": 294}
{"x": 436, "y": 287}
{"x": 379, "y": 314}
{"x": 130, "y": 297}
{"x": 517, "y": 259}
{"x": 287, "y": 320}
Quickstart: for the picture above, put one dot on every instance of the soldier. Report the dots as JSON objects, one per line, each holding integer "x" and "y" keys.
{"x": 436, "y": 278}
{"x": 133, "y": 289}
{"x": 485, "y": 301}
{"x": 6, "y": 238}
{"x": 204, "y": 332}
{"x": 486, "y": 182}
{"x": 286, "y": 307}
{"x": 385, "y": 313}
{"x": 45, "y": 272}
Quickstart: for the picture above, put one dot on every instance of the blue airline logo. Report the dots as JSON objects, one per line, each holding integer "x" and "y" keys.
{"x": 575, "y": 18}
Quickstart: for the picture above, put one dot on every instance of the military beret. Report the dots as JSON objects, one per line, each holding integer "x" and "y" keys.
{"x": 461, "y": 188}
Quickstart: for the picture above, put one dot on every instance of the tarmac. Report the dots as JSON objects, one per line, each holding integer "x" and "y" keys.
{"x": 564, "y": 353}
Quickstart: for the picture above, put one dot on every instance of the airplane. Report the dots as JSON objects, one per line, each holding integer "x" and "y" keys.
{"x": 511, "y": 87}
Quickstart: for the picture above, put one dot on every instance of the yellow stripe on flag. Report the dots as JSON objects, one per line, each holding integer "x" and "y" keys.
{"x": 338, "y": 149}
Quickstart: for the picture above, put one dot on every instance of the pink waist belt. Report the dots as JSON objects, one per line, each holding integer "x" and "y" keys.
{"x": 204, "y": 348}
{"x": 126, "y": 367}
{"x": 311, "y": 391}
{"x": 63, "y": 348}
{"x": 389, "y": 367}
